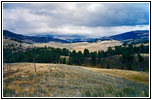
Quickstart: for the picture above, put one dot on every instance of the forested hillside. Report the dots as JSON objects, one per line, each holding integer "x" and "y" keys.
{"x": 127, "y": 57}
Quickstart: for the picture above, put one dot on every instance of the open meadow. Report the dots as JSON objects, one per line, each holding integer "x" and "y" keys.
{"x": 60, "y": 80}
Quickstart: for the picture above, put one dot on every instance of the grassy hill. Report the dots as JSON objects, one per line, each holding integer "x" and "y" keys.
{"x": 80, "y": 46}
{"x": 59, "y": 80}
{"x": 7, "y": 42}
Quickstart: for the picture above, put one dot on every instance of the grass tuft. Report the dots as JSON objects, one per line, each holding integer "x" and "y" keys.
{"x": 8, "y": 93}
{"x": 109, "y": 91}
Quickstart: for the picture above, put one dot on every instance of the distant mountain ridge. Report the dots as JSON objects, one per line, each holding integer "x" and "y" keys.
{"x": 135, "y": 36}
{"x": 132, "y": 35}
{"x": 31, "y": 39}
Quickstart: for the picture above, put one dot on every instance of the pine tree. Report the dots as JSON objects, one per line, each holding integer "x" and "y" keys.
{"x": 140, "y": 60}
{"x": 64, "y": 60}
{"x": 108, "y": 66}
{"x": 94, "y": 57}
{"x": 109, "y": 51}
{"x": 86, "y": 53}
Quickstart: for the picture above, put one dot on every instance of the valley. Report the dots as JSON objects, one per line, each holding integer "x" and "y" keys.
{"x": 103, "y": 68}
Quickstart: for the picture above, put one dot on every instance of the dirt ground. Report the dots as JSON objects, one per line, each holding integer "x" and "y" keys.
{"x": 60, "y": 80}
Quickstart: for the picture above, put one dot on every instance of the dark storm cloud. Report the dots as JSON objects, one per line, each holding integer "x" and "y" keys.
{"x": 75, "y": 18}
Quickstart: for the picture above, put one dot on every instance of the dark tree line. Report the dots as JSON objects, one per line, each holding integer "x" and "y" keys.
{"x": 127, "y": 53}
{"x": 45, "y": 54}
{"x": 76, "y": 57}
{"x": 13, "y": 53}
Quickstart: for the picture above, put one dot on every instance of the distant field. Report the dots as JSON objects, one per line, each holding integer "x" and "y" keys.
{"x": 8, "y": 41}
{"x": 80, "y": 46}
{"x": 59, "y": 80}
{"x": 101, "y": 45}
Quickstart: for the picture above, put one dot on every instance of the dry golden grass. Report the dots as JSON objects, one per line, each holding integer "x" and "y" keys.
{"x": 80, "y": 46}
{"x": 145, "y": 44}
{"x": 15, "y": 85}
{"x": 101, "y": 45}
{"x": 59, "y": 80}
{"x": 139, "y": 77}
{"x": 8, "y": 41}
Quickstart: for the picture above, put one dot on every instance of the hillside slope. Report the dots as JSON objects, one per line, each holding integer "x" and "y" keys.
{"x": 80, "y": 46}
{"x": 136, "y": 36}
{"x": 96, "y": 46}
{"x": 30, "y": 39}
{"x": 59, "y": 80}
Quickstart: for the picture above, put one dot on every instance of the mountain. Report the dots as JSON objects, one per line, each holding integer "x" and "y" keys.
{"x": 132, "y": 35}
{"x": 70, "y": 38}
{"x": 30, "y": 39}
{"x": 138, "y": 36}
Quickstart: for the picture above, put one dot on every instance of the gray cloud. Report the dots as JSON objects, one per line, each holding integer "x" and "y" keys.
{"x": 75, "y": 18}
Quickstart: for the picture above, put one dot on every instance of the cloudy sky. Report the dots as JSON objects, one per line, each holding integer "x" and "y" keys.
{"x": 90, "y": 19}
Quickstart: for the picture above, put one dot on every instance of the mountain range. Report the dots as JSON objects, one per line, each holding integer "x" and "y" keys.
{"x": 132, "y": 36}
{"x": 30, "y": 39}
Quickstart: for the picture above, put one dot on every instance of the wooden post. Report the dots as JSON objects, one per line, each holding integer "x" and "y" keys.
{"x": 7, "y": 68}
{"x": 10, "y": 67}
{"x": 34, "y": 67}
{"x": 34, "y": 64}
{"x": 4, "y": 67}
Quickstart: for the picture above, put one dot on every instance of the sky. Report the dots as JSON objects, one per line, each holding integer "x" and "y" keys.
{"x": 88, "y": 19}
